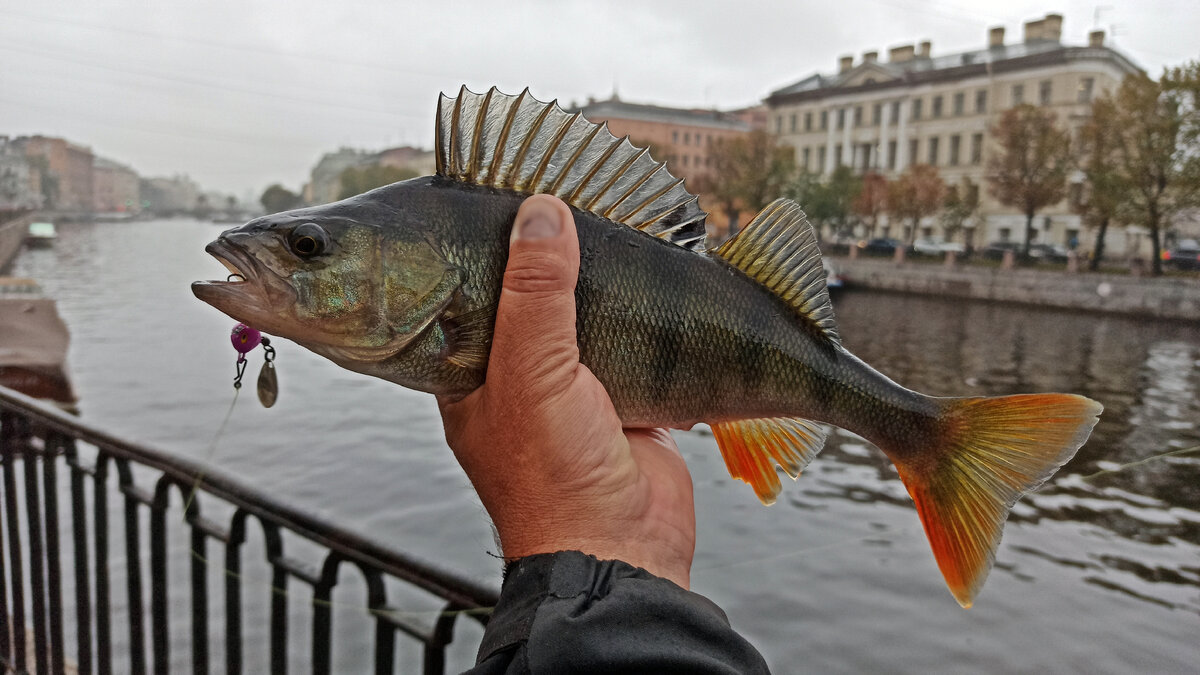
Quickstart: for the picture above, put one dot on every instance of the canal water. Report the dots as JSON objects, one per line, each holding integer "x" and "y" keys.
{"x": 1098, "y": 572}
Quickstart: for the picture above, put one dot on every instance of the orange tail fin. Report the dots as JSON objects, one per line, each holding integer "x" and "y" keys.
{"x": 989, "y": 452}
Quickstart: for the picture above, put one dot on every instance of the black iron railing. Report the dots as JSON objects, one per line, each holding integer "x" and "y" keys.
{"x": 41, "y": 632}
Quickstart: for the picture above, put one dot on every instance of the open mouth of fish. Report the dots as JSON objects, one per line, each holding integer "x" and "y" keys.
{"x": 241, "y": 289}
{"x": 238, "y": 262}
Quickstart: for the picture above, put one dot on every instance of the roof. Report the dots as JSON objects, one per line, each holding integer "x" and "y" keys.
{"x": 616, "y": 108}
{"x": 1009, "y": 57}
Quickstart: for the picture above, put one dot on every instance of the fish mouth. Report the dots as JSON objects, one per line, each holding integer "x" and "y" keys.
{"x": 242, "y": 294}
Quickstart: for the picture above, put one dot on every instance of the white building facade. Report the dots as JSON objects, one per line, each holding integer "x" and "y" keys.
{"x": 876, "y": 116}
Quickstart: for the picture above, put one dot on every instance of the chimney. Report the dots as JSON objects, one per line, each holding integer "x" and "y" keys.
{"x": 1033, "y": 30}
{"x": 1052, "y": 27}
{"x": 845, "y": 63}
{"x": 996, "y": 36}
{"x": 923, "y": 49}
{"x": 900, "y": 54}
{"x": 1096, "y": 38}
{"x": 870, "y": 57}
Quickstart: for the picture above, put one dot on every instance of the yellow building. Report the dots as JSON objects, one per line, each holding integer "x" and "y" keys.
{"x": 918, "y": 107}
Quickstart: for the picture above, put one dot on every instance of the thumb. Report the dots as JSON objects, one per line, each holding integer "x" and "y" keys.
{"x": 534, "y": 339}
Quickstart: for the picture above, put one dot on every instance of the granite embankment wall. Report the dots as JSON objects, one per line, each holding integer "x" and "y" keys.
{"x": 12, "y": 235}
{"x": 1175, "y": 298}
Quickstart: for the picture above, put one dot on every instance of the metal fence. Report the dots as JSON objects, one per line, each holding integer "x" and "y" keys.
{"x": 36, "y": 441}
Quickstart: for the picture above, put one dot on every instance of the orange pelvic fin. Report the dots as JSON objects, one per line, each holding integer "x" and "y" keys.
{"x": 752, "y": 448}
{"x": 989, "y": 452}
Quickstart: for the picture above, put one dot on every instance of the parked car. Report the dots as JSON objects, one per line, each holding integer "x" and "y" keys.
{"x": 996, "y": 249}
{"x": 1047, "y": 253}
{"x": 1185, "y": 256}
{"x": 880, "y": 246}
{"x": 937, "y": 246}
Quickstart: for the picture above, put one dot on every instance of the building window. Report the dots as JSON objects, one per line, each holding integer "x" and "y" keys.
{"x": 960, "y": 103}
{"x": 841, "y": 120}
{"x": 877, "y": 114}
{"x": 1044, "y": 92}
{"x": 685, "y": 160}
{"x": 955, "y": 142}
{"x": 1075, "y": 195}
{"x": 933, "y": 150}
{"x": 674, "y": 136}
{"x": 972, "y": 193}
{"x": 792, "y": 123}
{"x": 937, "y": 106}
{"x": 912, "y": 152}
{"x": 981, "y": 101}
{"x": 837, "y": 155}
{"x": 858, "y": 116}
{"x": 891, "y": 156}
{"x": 824, "y": 120}
{"x": 687, "y": 138}
{"x": 808, "y": 121}
{"x": 1085, "y": 89}
{"x": 804, "y": 159}
{"x": 779, "y": 124}
{"x": 821, "y": 158}
{"x": 1018, "y": 94}
{"x": 895, "y": 112}
{"x": 916, "y": 108}
{"x": 977, "y": 149}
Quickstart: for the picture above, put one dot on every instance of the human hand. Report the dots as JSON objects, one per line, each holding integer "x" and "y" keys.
{"x": 541, "y": 441}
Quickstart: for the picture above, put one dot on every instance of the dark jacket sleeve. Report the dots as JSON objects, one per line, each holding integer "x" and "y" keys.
{"x": 568, "y": 612}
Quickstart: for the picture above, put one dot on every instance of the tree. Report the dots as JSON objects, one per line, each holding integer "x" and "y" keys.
{"x": 748, "y": 173}
{"x": 917, "y": 193}
{"x": 829, "y": 202}
{"x": 871, "y": 201}
{"x": 278, "y": 198}
{"x": 1030, "y": 169}
{"x": 958, "y": 207}
{"x": 1158, "y": 148}
{"x": 355, "y": 181}
{"x": 1106, "y": 186}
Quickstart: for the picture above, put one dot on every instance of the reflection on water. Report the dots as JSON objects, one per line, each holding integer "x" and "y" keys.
{"x": 1098, "y": 572}
{"x": 1145, "y": 375}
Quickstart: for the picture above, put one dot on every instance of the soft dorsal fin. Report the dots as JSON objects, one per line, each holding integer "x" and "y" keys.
{"x": 778, "y": 249}
{"x": 522, "y": 144}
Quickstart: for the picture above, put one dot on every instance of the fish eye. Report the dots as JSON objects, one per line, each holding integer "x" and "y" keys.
{"x": 308, "y": 240}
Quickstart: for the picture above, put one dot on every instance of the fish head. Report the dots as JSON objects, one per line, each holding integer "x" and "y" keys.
{"x": 342, "y": 281}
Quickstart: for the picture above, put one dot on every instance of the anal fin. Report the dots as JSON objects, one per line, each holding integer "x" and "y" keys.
{"x": 752, "y": 448}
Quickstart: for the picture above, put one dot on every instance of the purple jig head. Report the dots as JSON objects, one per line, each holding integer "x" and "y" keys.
{"x": 245, "y": 338}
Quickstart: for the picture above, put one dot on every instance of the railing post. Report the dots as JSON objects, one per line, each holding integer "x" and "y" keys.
{"x": 5, "y": 644}
{"x": 53, "y": 443}
{"x": 14, "y": 429}
{"x": 159, "y": 615}
{"x": 233, "y": 593}
{"x": 103, "y": 604}
{"x": 133, "y": 570}
{"x": 83, "y": 603}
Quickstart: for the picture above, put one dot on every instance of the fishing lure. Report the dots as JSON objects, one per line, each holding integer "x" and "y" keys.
{"x": 245, "y": 339}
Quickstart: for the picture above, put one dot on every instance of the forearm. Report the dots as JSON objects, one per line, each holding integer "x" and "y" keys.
{"x": 569, "y": 612}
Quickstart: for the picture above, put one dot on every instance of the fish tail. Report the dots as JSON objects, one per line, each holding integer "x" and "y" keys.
{"x": 984, "y": 454}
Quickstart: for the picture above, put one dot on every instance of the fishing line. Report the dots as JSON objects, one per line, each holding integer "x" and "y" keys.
{"x": 1162, "y": 455}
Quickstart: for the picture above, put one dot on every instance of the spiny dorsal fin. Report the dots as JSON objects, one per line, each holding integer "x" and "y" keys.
{"x": 778, "y": 249}
{"x": 522, "y": 144}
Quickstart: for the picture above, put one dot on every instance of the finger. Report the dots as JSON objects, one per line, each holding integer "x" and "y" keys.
{"x": 534, "y": 337}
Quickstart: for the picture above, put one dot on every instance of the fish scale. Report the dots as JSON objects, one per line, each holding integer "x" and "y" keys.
{"x": 741, "y": 337}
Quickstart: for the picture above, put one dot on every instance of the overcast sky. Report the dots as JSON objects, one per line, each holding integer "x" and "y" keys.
{"x": 239, "y": 95}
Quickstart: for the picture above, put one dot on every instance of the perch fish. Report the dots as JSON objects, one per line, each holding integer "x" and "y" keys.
{"x": 402, "y": 283}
